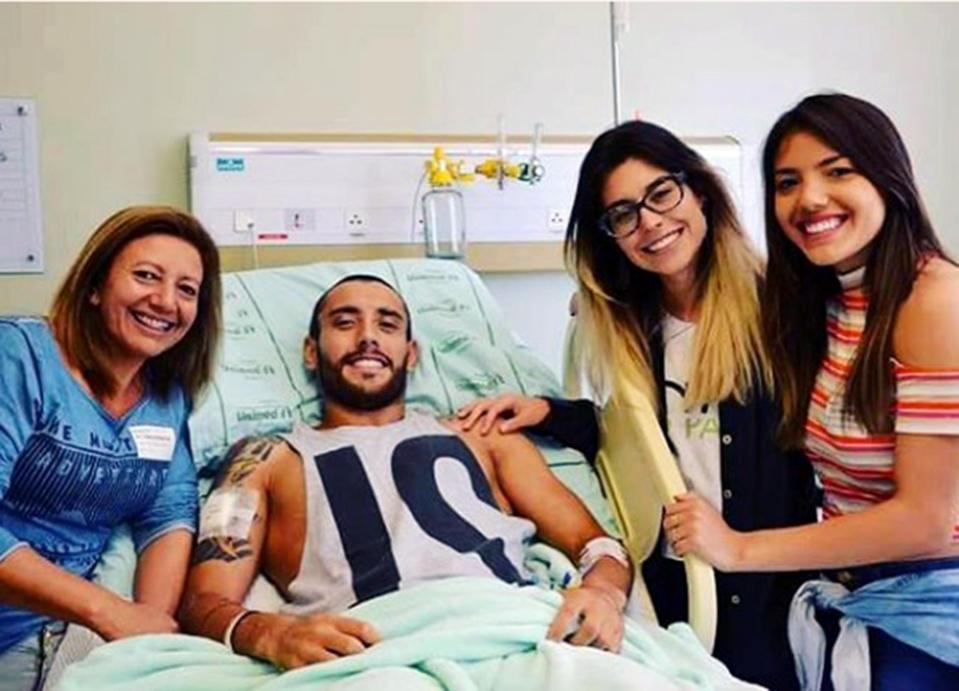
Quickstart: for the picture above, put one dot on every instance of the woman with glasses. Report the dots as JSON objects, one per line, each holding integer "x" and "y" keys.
{"x": 862, "y": 317}
{"x": 668, "y": 288}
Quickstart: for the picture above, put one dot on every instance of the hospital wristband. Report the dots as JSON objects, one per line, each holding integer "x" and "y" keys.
{"x": 600, "y": 547}
{"x": 231, "y": 627}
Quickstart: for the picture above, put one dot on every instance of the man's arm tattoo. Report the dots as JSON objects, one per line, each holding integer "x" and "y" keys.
{"x": 243, "y": 458}
{"x": 221, "y": 549}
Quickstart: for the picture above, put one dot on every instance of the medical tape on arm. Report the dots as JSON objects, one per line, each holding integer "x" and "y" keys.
{"x": 229, "y": 513}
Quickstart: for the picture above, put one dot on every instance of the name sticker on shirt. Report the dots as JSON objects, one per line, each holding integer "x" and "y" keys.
{"x": 154, "y": 443}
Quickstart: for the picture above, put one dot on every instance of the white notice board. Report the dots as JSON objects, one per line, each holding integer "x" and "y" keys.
{"x": 301, "y": 189}
{"x": 21, "y": 227}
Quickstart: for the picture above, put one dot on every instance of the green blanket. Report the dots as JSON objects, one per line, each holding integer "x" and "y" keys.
{"x": 459, "y": 634}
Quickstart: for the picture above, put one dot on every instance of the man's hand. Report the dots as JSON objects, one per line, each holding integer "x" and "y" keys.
{"x": 693, "y": 525}
{"x": 123, "y": 618}
{"x": 298, "y": 641}
{"x": 590, "y": 615}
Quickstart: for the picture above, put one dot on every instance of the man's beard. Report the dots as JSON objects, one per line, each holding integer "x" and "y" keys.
{"x": 334, "y": 387}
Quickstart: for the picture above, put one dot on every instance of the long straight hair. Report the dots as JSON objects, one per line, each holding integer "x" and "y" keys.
{"x": 621, "y": 304}
{"x": 78, "y": 326}
{"x": 796, "y": 291}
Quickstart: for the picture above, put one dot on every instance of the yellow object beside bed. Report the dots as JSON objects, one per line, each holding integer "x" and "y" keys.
{"x": 640, "y": 475}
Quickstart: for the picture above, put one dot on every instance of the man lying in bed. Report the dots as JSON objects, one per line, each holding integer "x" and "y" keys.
{"x": 376, "y": 499}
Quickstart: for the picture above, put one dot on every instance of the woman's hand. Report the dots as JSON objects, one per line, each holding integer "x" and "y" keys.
{"x": 515, "y": 410}
{"x": 29, "y": 581}
{"x": 122, "y": 618}
{"x": 694, "y": 526}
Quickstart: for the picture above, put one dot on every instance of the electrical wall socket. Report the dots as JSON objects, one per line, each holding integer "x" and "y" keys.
{"x": 299, "y": 220}
{"x": 243, "y": 221}
{"x": 356, "y": 221}
{"x": 557, "y": 220}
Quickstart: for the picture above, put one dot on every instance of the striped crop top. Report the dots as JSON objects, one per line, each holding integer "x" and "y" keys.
{"x": 855, "y": 467}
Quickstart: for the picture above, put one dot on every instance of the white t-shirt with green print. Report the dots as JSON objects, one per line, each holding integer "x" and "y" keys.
{"x": 694, "y": 432}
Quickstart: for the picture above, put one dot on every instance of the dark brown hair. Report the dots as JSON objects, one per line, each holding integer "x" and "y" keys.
{"x": 78, "y": 326}
{"x": 314, "y": 329}
{"x": 796, "y": 291}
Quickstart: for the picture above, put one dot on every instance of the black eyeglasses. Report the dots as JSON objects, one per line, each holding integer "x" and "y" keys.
{"x": 664, "y": 194}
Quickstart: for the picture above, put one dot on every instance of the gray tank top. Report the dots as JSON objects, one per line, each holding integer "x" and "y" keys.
{"x": 392, "y": 506}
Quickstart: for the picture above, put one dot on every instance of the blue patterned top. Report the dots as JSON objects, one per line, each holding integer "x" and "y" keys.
{"x": 70, "y": 472}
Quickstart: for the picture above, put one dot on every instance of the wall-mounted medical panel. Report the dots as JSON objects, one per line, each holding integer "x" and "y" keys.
{"x": 321, "y": 189}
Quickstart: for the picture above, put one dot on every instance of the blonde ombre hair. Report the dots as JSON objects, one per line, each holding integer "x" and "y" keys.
{"x": 621, "y": 305}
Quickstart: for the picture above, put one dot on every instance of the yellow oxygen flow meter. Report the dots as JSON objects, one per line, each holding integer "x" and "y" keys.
{"x": 444, "y": 217}
{"x": 444, "y": 220}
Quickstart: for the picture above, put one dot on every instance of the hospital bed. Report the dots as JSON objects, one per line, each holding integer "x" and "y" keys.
{"x": 467, "y": 351}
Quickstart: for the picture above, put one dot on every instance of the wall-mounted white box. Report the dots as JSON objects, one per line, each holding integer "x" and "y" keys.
{"x": 360, "y": 189}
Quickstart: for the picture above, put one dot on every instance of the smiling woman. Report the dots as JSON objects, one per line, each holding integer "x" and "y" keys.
{"x": 669, "y": 303}
{"x": 862, "y": 318}
{"x": 863, "y": 322}
{"x": 148, "y": 302}
{"x": 93, "y": 416}
{"x": 155, "y": 281}
{"x": 823, "y": 205}
{"x": 120, "y": 251}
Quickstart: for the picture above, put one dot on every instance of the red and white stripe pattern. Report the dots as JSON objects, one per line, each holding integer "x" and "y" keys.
{"x": 855, "y": 467}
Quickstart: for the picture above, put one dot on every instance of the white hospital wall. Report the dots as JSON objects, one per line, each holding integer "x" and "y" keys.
{"x": 732, "y": 68}
{"x": 120, "y": 85}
